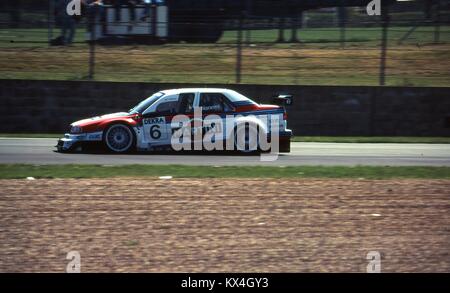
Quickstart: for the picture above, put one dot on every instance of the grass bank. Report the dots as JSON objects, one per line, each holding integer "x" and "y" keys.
{"x": 318, "y": 60}
{"x": 17, "y": 171}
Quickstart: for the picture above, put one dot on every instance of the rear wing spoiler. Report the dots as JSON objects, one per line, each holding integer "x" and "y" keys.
{"x": 283, "y": 100}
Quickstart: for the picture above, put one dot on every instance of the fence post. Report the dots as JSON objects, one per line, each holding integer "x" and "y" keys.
{"x": 385, "y": 25}
{"x": 437, "y": 22}
{"x": 239, "y": 51}
{"x": 342, "y": 15}
{"x": 297, "y": 21}
{"x": 281, "y": 25}
{"x": 50, "y": 20}
{"x": 92, "y": 49}
{"x": 248, "y": 36}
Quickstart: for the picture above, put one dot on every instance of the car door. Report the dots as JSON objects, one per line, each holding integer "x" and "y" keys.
{"x": 214, "y": 108}
{"x": 157, "y": 118}
{"x": 185, "y": 116}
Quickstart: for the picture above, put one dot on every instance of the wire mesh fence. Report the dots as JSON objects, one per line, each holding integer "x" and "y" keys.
{"x": 411, "y": 51}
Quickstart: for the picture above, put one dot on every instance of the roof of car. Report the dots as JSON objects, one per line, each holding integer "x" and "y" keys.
{"x": 203, "y": 90}
{"x": 232, "y": 95}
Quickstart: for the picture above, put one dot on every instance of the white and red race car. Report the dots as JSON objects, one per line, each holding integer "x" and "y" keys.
{"x": 183, "y": 117}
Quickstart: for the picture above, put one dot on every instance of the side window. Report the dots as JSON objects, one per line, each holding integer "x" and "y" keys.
{"x": 186, "y": 103}
{"x": 214, "y": 102}
{"x": 166, "y": 108}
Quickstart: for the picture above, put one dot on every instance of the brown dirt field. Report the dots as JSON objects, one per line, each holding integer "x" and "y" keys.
{"x": 224, "y": 225}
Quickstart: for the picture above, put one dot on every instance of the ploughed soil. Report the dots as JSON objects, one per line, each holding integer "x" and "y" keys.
{"x": 224, "y": 225}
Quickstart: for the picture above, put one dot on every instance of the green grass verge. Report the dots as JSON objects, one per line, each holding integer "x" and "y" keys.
{"x": 355, "y": 37}
{"x": 15, "y": 171}
{"x": 371, "y": 139}
{"x": 317, "y": 37}
{"x": 335, "y": 139}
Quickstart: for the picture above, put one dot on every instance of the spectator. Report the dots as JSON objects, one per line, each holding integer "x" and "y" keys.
{"x": 148, "y": 4}
{"x": 95, "y": 8}
{"x": 65, "y": 21}
{"x": 131, "y": 6}
{"x": 146, "y": 13}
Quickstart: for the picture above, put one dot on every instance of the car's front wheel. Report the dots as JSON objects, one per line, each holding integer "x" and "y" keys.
{"x": 119, "y": 138}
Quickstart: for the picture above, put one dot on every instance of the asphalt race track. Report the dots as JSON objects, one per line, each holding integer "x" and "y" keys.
{"x": 42, "y": 151}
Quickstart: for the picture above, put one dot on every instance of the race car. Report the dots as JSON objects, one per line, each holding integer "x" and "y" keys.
{"x": 170, "y": 118}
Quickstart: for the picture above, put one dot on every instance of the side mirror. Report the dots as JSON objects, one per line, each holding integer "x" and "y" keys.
{"x": 283, "y": 100}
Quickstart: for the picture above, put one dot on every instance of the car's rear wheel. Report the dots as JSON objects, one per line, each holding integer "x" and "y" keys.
{"x": 119, "y": 138}
{"x": 246, "y": 138}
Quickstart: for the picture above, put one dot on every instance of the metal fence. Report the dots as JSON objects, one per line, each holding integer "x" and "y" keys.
{"x": 387, "y": 50}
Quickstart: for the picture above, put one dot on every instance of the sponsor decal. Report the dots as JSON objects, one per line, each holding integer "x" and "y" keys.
{"x": 94, "y": 136}
{"x": 158, "y": 120}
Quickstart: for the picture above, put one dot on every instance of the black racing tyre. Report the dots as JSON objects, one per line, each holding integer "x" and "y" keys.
{"x": 119, "y": 138}
{"x": 246, "y": 138}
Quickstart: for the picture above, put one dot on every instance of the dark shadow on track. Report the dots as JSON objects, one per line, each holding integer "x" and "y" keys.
{"x": 94, "y": 149}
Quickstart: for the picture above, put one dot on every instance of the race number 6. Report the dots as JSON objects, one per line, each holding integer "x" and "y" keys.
{"x": 155, "y": 132}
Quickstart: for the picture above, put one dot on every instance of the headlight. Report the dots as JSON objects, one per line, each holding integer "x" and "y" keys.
{"x": 76, "y": 130}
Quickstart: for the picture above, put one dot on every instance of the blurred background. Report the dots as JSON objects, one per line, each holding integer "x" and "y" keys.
{"x": 285, "y": 42}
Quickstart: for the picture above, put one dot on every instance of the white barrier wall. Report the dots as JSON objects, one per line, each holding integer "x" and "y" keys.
{"x": 156, "y": 24}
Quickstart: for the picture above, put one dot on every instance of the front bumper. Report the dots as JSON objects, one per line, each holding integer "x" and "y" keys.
{"x": 71, "y": 141}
